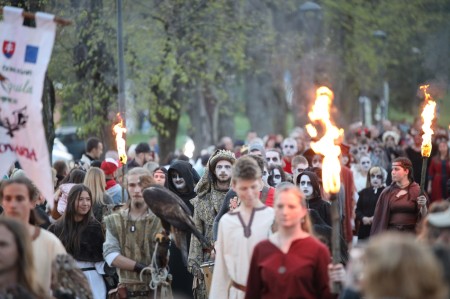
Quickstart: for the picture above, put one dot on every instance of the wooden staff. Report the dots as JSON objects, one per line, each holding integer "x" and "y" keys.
{"x": 30, "y": 15}
{"x": 336, "y": 287}
{"x": 423, "y": 174}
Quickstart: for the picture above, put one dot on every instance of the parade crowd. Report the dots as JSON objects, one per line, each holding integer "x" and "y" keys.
{"x": 261, "y": 208}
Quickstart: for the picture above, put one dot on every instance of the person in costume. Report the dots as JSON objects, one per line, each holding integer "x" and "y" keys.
{"x": 308, "y": 182}
{"x": 82, "y": 236}
{"x": 130, "y": 235}
{"x": 400, "y": 206}
{"x": 239, "y": 231}
{"x": 211, "y": 191}
{"x": 292, "y": 263}
{"x": 18, "y": 197}
{"x": 181, "y": 180}
{"x": 368, "y": 198}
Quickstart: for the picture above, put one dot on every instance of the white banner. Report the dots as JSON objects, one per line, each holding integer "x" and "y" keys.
{"x": 25, "y": 55}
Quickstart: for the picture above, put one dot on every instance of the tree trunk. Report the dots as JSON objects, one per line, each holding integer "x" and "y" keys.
{"x": 201, "y": 123}
{"x": 48, "y": 106}
{"x": 259, "y": 102}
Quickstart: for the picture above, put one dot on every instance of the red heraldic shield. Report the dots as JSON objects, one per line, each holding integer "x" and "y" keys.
{"x": 8, "y": 48}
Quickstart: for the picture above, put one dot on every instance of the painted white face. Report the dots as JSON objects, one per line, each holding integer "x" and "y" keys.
{"x": 273, "y": 158}
{"x": 289, "y": 147}
{"x": 265, "y": 175}
{"x": 365, "y": 164}
{"x": 363, "y": 149}
{"x": 276, "y": 177}
{"x": 376, "y": 179}
{"x": 223, "y": 171}
{"x": 178, "y": 181}
{"x": 306, "y": 186}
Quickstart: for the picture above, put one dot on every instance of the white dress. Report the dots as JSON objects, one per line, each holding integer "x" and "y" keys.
{"x": 234, "y": 249}
{"x": 95, "y": 278}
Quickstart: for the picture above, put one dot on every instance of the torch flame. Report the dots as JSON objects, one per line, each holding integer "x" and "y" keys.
{"x": 428, "y": 114}
{"x": 119, "y": 130}
{"x": 326, "y": 146}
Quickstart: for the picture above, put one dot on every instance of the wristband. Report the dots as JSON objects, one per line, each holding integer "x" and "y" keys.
{"x": 138, "y": 267}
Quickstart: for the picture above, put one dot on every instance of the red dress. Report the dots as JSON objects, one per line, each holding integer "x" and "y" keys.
{"x": 301, "y": 273}
{"x": 438, "y": 174}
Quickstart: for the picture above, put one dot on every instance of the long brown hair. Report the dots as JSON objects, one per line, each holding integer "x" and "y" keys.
{"x": 286, "y": 187}
{"x": 26, "y": 273}
{"x": 70, "y": 230}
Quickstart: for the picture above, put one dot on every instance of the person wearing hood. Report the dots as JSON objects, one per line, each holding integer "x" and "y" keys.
{"x": 211, "y": 191}
{"x": 308, "y": 182}
{"x": 181, "y": 180}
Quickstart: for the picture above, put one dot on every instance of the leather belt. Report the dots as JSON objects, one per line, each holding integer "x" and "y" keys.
{"x": 240, "y": 287}
{"x": 88, "y": 269}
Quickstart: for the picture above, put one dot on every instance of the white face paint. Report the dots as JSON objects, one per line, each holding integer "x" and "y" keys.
{"x": 376, "y": 179}
{"x": 306, "y": 186}
{"x": 273, "y": 158}
{"x": 289, "y": 147}
{"x": 223, "y": 170}
{"x": 265, "y": 175}
{"x": 276, "y": 177}
{"x": 178, "y": 181}
{"x": 365, "y": 164}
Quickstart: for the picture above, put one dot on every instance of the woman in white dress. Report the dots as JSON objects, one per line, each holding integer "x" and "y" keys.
{"x": 82, "y": 236}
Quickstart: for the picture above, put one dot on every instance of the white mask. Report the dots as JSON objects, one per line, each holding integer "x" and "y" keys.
{"x": 223, "y": 170}
{"x": 276, "y": 177}
{"x": 376, "y": 179}
{"x": 365, "y": 164}
{"x": 306, "y": 186}
{"x": 178, "y": 181}
{"x": 289, "y": 147}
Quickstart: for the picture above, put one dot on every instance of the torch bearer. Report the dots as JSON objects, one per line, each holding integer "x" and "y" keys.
{"x": 331, "y": 174}
{"x": 427, "y": 116}
{"x": 119, "y": 130}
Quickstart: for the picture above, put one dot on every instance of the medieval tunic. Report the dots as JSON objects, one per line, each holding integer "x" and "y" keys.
{"x": 395, "y": 212}
{"x": 234, "y": 249}
{"x": 300, "y": 273}
{"x": 133, "y": 239}
{"x": 205, "y": 210}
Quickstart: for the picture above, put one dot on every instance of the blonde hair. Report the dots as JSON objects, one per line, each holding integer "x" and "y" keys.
{"x": 286, "y": 187}
{"x": 96, "y": 182}
{"x": 398, "y": 266}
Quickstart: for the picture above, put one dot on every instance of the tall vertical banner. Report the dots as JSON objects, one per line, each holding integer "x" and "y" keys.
{"x": 24, "y": 59}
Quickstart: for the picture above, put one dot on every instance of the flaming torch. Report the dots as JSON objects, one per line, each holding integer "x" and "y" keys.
{"x": 428, "y": 114}
{"x": 119, "y": 130}
{"x": 331, "y": 174}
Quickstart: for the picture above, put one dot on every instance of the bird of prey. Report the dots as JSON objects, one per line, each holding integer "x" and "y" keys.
{"x": 175, "y": 216}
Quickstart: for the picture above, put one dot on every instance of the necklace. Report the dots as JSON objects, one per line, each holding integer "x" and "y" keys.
{"x": 133, "y": 225}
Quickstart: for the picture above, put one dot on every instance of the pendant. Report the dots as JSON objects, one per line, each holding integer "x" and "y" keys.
{"x": 133, "y": 228}
{"x": 282, "y": 270}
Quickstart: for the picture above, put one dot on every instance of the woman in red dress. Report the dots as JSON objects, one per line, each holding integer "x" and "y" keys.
{"x": 439, "y": 172}
{"x": 291, "y": 263}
